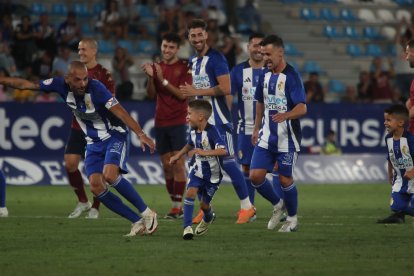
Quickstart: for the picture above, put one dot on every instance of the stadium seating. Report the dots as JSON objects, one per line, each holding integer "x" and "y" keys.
{"x": 373, "y": 50}
{"x": 308, "y": 14}
{"x": 327, "y": 14}
{"x": 351, "y": 32}
{"x": 145, "y": 47}
{"x": 291, "y": 50}
{"x": 81, "y": 9}
{"x": 311, "y": 66}
{"x": 331, "y": 32}
{"x": 388, "y": 32}
{"x": 336, "y": 86}
{"x": 404, "y": 2}
{"x": 386, "y": 16}
{"x": 38, "y": 8}
{"x": 347, "y": 15}
{"x": 354, "y": 50}
{"x": 127, "y": 44}
{"x": 59, "y": 9}
{"x": 105, "y": 47}
{"x": 371, "y": 33}
{"x": 97, "y": 8}
{"x": 367, "y": 15}
{"x": 401, "y": 14}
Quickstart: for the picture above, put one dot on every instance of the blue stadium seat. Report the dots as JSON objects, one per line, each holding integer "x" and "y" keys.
{"x": 371, "y": 33}
{"x": 81, "y": 9}
{"x": 327, "y": 14}
{"x": 308, "y": 14}
{"x": 145, "y": 11}
{"x": 373, "y": 50}
{"x": 336, "y": 86}
{"x": 347, "y": 15}
{"x": 127, "y": 44}
{"x": 291, "y": 1}
{"x": 291, "y": 50}
{"x": 331, "y": 32}
{"x": 311, "y": 66}
{"x": 404, "y": 2}
{"x": 38, "y": 8}
{"x": 86, "y": 29}
{"x": 97, "y": 8}
{"x": 294, "y": 64}
{"x": 146, "y": 47}
{"x": 105, "y": 47}
{"x": 351, "y": 32}
{"x": 59, "y": 9}
{"x": 354, "y": 50}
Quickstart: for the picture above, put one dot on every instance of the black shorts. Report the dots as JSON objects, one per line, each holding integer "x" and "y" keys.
{"x": 76, "y": 143}
{"x": 170, "y": 138}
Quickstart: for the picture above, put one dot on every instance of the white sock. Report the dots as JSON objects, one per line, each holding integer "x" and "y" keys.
{"x": 245, "y": 204}
{"x": 146, "y": 212}
{"x": 176, "y": 204}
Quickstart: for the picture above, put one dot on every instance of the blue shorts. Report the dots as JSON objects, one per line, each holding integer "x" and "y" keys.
{"x": 226, "y": 133}
{"x": 113, "y": 150}
{"x": 244, "y": 149}
{"x": 205, "y": 189}
{"x": 400, "y": 201}
{"x": 265, "y": 159}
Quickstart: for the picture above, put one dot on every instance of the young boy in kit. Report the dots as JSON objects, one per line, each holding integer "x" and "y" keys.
{"x": 205, "y": 174}
{"x": 400, "y": 146}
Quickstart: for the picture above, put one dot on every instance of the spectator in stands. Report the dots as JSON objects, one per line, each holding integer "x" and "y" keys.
{"x": 45, "y": 34}
{"x": 121, "y": 63}
{"x": 24, "y": 44}
{"x": 315, "y": 93}
{"x": 363, "y": 85}
{"x": 185, "y": 50}
{"x": 69, "y": 32}
{"x": 42, "y": 66}
{"x": 110, "y": 21}
{"x": 381, "y": 90}
{"x": 330, "y": 147}
{"x": 403, "y": 72}
{"x": 351, "y": 95}
{"x": 61, "y": 61}
{"x": 129, "y": 19}
{"x": 6, "y": 29}
{"x": 378, "y": 66}
{"x": 6, "y": 59}
{"x": 168, "y": 23}
{"x": 249, "y": 15}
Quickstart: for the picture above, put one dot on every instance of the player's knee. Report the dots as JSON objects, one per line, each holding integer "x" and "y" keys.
{"x": 110, "y": 177}
{"x": 256, "y": 178}
{"x": 96, "y": 187}
{"x": 71, "y": 165}
{"x": 191, "y": 193}
{"x": 285, "y": 181}
{"x": 204, "y": 206}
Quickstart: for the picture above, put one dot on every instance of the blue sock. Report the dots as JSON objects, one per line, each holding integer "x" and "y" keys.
{"x": 236, "y": 176}
{"x": 2, "y": 190}
{"x": 277, "y": 186}
{"x": 250, "y": 189}
{"x": 291, "y": 199}
{"x": 208, "y": 215}
{"x": 115, "y": 204}
{"x": 125, "y": 188}
{"x": 188, "y": 211}
{"x": 268, "y": 192}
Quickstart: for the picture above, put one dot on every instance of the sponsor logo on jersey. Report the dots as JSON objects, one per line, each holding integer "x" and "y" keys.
{"x": 48, "y": 81}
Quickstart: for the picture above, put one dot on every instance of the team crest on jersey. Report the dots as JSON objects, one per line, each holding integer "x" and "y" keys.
{"x": 205, "y": 143}
{"x": 88, "y": 104}
{"x": 404, "y": 149}
{"x": 240, "y": 153}
{"x": 48, "y": 81}
{"x": 281, "y": 86}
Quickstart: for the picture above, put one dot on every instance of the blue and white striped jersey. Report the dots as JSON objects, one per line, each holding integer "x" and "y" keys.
{"x": 91, "y": 110}
{"x": 244, "y": 80}
{"x": 400, "y": 154}
{"x": 280, "y": 93}
{"x": 207, "y": 167}
{"x": 205, "y": 71}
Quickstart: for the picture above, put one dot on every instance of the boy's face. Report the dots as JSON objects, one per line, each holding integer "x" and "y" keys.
{"x": 194, "y": 117}
{"x": 392, "y": 123}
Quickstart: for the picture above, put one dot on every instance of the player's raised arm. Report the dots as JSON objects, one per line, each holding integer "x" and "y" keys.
{"x": 124, "y": 116}
{"x": 19, "y": 83}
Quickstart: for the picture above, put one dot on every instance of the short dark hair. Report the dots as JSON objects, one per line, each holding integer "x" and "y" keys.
{"x": 197, "y": 23}
{"x": 256, "y": 35}
{"x": 172, "y": 37}
{"x": 274, "y": 40}
{"x": 201, "y": 105}
{"x": 398, "y": 110}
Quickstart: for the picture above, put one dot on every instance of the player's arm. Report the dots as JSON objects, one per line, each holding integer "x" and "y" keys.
{"x": 390, "y": 172}
{"x": 124, "y": 116}
{"x": 298, "y": 111}
{"x": 19, "y": 83}
{"x": 170, "y": 88}
{"x": 222, "y": 89}
{"x": 409, "y": 174}
{"x": 149, "y": 71}
{"x": 257, "y": 121}
{"x": 179, "y": 154}
{"x": 213, "y": 152}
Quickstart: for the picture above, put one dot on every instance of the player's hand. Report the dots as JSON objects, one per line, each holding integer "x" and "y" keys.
{"x": 148, "y": 69}
{"x": 409, "y": 174}
{"x": 173, "y": 159}
{"x": 188, "y": 90}
{"x": 146, "y": 141}
{"x": 279, "y": 117}
{"x": 255, "y": 137}
{"x": 158, "y": 71}
{"x": 198, "y": 151}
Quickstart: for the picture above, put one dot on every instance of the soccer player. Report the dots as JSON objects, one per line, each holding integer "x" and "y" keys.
{"x": 164, "y": 78}
{"x": 400, "y": 147}
{"x": 205, "y": 175}
{"x": 102, "y": 119}
{"x": 3, "y": 209}
{"x": 244, "y": 78}
{"x": 76, "y": 144}
{"x": 211, "y": 81}
{"x": 280, "y": 103}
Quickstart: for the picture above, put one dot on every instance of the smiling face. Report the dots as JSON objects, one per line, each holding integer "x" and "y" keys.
{"x": 253, "y": 49}
{"x": 409, "y": 56}
{"x": 198, "y": 39}
{"x": 169, "y": 50}
{"x": 393, "y": 123}
{"x": 87, "y": 52}
{"x": 272, "y": 56}
{"x": 193, "y": 117}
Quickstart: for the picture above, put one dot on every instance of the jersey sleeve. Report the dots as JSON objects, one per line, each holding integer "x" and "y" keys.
{"x": 215, "y": 139}
{"x": 102, "y": 96}
{"x": 220, "y": 66}
{"x": 234, "y": 80}
{"x": 258, "y": 95}
{"x": 296, "y": 88}
{"x": 56, "y": 84}
{"x": 189, "y": 140}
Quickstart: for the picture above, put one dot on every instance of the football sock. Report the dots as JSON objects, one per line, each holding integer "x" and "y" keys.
{"x": 291, "y": 199}
{"x": 76, "y": 181}
{"x": 208, "y": 215}
{"x": 188, "y": 211}
{"x": 115, "y": 204}
{"x": 250, "y": 189}
{"x": 2, "y": 190}
{"x": 125, "y": 188}
{"x": 169, "y": 183}
{"x": 96, "y": 203}
{"x": 179, "y": 188}
{"x": 277, "y": 186}
{"x": 236, "y": 176}
{"x": 245, "y": 204}
{"x": 268, "y": 192}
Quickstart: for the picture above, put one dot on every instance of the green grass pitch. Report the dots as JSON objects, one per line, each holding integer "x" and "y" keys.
{"x": 337, "y": 236}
